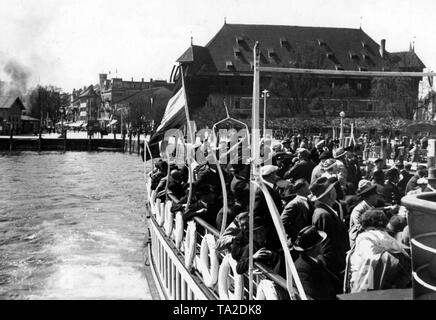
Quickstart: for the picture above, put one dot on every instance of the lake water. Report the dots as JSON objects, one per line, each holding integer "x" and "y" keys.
{"x": 72, "y": 226}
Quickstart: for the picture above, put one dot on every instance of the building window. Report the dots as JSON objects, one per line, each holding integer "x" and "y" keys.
{"x": 237, "y": 104}
{"x": 369, "y": 107}
{"x": 359, "y": 86}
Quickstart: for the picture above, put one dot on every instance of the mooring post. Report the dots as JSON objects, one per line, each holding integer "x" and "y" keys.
{"x": 40, "y": 140}
{"x": 130, "y": 141}
{"x": 11, "y": 139}
{"x": 65, "y": 140}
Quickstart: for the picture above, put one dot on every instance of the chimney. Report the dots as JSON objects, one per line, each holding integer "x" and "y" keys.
{"x": 102, "y": 78}
{"x": 382, "y": 48}
{"x": 132, "y": 79}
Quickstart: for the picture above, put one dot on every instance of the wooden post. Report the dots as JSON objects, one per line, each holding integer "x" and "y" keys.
{"x": 11, "y": 138}
{"x": 130, "y": 142}
{"x": 40, "y": 140}
{"x": 124, "y": 139}
{"x": 89, "y": 141}
{"x": 65, "y": 139}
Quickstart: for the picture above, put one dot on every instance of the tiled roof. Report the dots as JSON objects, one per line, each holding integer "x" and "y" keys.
{"x": 407, "y": 59}
{"x": 231, "y": 48}
{"x": 147, "y": 94}
{"x": 6, "y": 102}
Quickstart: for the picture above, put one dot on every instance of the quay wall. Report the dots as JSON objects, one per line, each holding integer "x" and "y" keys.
{"x": 29, "y": 144}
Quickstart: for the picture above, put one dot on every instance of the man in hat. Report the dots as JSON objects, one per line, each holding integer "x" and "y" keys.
{"x": 391, "y": 194}
{"x": 302, "y": 168}
{"x": 326, "y": 219}
{"x": 283, "y": 161}
{"x": 206, "y": 207}
{"x": 368, "y": 192}
{"x": 339, "y": 155}
{"x": 379, "y": 167}
{"x": 421, "y": 171}
{"x": 260, "y": 209}
{"x": 318, "y": 170}
{"x": 317, "y": 151}
{"x": 405, "y": 177}
{"x": 264, "y": 252}
{"x": 318, "y": 282}
{"x": 298, "y": 210}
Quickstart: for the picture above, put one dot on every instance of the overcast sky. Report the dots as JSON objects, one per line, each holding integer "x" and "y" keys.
{"x": 66, "y": 43}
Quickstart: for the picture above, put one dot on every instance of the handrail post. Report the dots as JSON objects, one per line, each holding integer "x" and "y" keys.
{"x": 255, "y": 152}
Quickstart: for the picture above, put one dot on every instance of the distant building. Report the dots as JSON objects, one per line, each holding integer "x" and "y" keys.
{"x": 222, "y": 69}
{"x": 11, "y": 108}
{"x": 100, "y": 104}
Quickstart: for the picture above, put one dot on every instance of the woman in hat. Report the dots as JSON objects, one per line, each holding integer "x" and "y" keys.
{"x": 318, "y": 282}
{"x": 378, "y": 261}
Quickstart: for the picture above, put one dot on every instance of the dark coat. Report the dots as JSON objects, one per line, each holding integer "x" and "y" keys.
{"x": 261, "y": 210}
{"x": 391, "y": 194}
{"x": 317, "y": 282}
{"x": 296, "y": 215}
{"x": 209, "y": 216}
{"x": 302, "y": 169}
{"x": 412, "y": 184}
{"x": 240, "y": 252}
{"x": 335, "y": 247}
{"x": 404, "y": 181}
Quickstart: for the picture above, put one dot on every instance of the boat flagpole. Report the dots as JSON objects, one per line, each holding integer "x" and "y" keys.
{"x": 189, "y": 137}
{"x": 255, "y": 164}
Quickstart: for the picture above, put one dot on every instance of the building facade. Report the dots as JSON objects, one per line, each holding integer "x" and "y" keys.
{"x": 11, "y": 108}
{"x": 221, "y": 72}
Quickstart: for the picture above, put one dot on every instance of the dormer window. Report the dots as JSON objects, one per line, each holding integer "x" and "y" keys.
{"x": 364, "y": 45}
{"x": 353, "y": 55}
{"x": 330, "y": 55}
{"x": 366, "y": 56}
{"x": 338, "y": 67}
{"x": 321, "y": 42}
{"x": 229, "y": 65}
{"x": 363, "y": 68}
{"x": 283, "y": 41}
{"x": 271, "y": 53}
{"x": 237, "y": 51}
{"x": 239, "y": 39}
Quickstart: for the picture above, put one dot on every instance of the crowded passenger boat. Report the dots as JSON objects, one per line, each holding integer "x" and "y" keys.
{"x": 296, "y": 218}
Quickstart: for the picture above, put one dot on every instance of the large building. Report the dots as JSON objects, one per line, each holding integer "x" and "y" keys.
{"x": 101, "y": 105}
{"x": 222, "y": 71}
{"x": 11, "y": 109}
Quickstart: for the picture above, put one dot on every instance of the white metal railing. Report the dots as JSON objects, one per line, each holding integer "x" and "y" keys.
{"x": 175, "y": 279}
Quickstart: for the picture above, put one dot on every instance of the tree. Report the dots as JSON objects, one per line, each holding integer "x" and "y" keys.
{"x": 44, "y": 102}
{"x": 397, "y": 96}
{"x": 304, "y": 93}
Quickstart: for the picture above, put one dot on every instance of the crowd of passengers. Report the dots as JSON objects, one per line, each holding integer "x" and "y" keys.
{"x": 346, "y": 229}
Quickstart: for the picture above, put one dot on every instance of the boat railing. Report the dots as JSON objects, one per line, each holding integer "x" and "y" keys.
{"x": 172, "y": 274}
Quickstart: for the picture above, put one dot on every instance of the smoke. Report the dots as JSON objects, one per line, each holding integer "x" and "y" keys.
{"x": 17, "y": 78}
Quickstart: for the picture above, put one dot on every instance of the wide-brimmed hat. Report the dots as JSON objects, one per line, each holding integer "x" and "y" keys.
{"x": 329, "y": 164}
{"x": 268, "y": 169}
{"x": 378, "y": 160}
{"x": 321, "y": 187}
{"x": 339, "y": 152}
{"x": 431, "y": 174}
{"x": 365, "y": 187}
{"x": 308, "y": 238}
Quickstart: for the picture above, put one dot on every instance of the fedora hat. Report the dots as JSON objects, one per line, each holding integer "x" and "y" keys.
{"x": 431, "y": 174}
{"x": 339, "y": 152}
{"x": 308, "y": 238}
{"x": 365, "y": 187}
{"x": 321, "y": 187}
